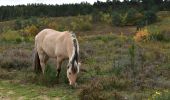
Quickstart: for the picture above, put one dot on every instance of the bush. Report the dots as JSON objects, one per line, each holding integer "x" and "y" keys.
{"x": 150, "y": 33}
{"x": 106, "y": 18}
{"x": 81, "y": 24}
{"x": 15, "y": 59}
{"x": 156, "y": 34}
{"x": 11, "y": 36}
{"x": 116, "y": 19}
{"x": 50, "y": 75}
{"x": 52, "y": 25}
{"x": 126, "y": 17}
{"x": 94, "y": 90}
{"x": 18, "y": 24}
{"x": 133, "y": 16}
{"x": 150, "y": 17}
{"x": 96, "y": 16}
{"x": 165, "y": 95}
{"x": 31, "y": 30}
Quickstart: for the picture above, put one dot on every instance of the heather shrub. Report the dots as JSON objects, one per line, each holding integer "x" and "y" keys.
{"x": 15, "y": 59}
{"x": 94, "y": 90}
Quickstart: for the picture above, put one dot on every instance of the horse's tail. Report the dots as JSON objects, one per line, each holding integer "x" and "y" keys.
{"x": 37, "y": 66}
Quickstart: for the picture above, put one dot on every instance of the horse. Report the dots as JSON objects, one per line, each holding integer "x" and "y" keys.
{"x": 50, "y": 43}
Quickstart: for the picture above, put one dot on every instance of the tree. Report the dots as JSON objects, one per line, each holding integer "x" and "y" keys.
{"x": 147, "y": 4}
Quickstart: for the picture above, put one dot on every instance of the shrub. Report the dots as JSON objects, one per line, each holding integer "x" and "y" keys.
{"x": 94, "y": 90}
{"x": 31, "y": 30}
{"x": 156, "y": 33}
{"x": 133, "y": 16}
{"x": 11, "y": 36}
{"x": 116, "y": 20}
{"x": 150, "y": 33}
{"x": 18, "y": 24}
{"x": 50, "y": 75}
{"x": 96, "y": 16}
{"x": 165, "y": 95}
{"x": 150, "y": 17}
{"x": 61, "y": 28}
{"x": 125, "y": 17}
{"x": 132, "y": 50}
{"x": 52, "y": 25}
{"x": 106, "y": 18}
{"x": 15, "y": 59}
{"x": 81, "y": 24}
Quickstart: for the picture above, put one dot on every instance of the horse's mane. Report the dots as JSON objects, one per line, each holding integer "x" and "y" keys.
{"x": 75, "y": 56}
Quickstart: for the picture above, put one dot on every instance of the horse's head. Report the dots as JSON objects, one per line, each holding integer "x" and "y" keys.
{"x": 72, "y": 71}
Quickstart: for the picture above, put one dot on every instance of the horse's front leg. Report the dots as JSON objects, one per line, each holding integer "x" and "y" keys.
{"x": 59, "y": 62}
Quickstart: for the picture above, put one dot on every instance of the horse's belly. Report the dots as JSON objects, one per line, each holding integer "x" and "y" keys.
{"x": 61, "y": 52}
{"x": 48, "y": 49}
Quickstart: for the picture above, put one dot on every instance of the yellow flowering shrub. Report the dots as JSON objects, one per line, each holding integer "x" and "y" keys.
{"x": 31, "y": 30}
{"x": 142, "y": 35}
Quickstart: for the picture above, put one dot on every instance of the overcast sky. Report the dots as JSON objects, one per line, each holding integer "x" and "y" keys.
{"x": 17, "y": 2}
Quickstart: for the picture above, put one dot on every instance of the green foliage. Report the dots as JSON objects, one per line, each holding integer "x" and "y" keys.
{"x": 96, "y": 16}
{"x": 132, "y": 53}
{"x": 117, "y": 67}
{"x": 150, "y": 17}
{"x": 156, "y": 34}
{"x": 81, "y": 24}
{"x": 125, "y": 17}
{"x": 106, "y": 18}
{"x": 18, "y": 24}
{"x": 11, "y": 36}
{"x": 61, "y": 28}
{"x": 116, "y": 19}
{"x": 50, "y": 75}
{"x": 165, "y": 95}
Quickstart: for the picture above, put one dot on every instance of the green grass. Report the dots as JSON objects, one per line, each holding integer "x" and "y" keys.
{"x": 31, "y": 91}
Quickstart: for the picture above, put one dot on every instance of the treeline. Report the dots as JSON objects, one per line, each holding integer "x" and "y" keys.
{"x": 42, "y": 10}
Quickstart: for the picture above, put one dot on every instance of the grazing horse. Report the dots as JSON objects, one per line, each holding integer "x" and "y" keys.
{"x": 58, "y": 45}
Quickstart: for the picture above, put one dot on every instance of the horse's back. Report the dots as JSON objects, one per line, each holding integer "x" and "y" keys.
{"x": 51, "y": 41}
{"x": 44, "y": 32}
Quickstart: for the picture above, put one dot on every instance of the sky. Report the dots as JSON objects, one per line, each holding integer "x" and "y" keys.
{"x": 17, "y": 2}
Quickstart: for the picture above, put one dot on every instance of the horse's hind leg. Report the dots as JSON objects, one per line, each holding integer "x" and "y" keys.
{"x": 43, "y": 59}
